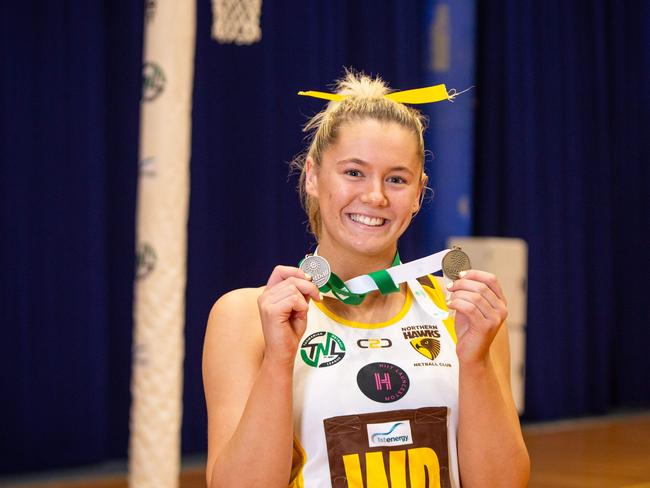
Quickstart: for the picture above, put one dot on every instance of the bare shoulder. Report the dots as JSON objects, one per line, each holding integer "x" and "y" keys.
{"x": 233, "y": 347}
{"x": 234, "y": 327}
{"x": 237, "y": 301}
{"x": 236, "y": 305}
{"x": 233, "y": 340}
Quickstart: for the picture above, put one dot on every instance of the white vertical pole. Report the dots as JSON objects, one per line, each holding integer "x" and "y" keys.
{"x": 163, "y": 194}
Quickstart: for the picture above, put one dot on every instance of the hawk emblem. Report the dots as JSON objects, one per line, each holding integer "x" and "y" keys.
{"x": 427, "y": 346}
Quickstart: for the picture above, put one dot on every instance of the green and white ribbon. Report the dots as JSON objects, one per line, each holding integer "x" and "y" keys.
{"x": 353, "y": 291}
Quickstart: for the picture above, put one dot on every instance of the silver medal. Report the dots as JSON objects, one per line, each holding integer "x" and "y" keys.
{"x": 454, "y": 262}
{"x": 318, "y": 268}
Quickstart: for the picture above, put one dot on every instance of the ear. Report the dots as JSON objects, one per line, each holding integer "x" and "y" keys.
{"x": 418, "y": 202}
{"x": 311, "y": 178}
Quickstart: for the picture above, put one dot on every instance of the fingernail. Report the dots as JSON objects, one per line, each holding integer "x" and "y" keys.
{"x": 320, "y": 296}
{"x": 307, "y": 276}
{"x": 448, "y": 302}
{"x": 462, "y": 274}
{"x": 450, "y": 285}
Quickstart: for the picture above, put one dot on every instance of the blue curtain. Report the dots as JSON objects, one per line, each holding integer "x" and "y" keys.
{"x": 69, "y": 105}
{"x": 449, "y": 58}
{"x": 562, "y": 161}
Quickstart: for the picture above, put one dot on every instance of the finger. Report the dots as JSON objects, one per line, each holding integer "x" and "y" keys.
{"x": 288, "y": 305}
{"x": 288, "y": 293}
{"x": 477, "y": 300}
{"x": 293, "y": 284}
{"x": 477, "y": 320}
{"x": 487, "y": 278}
{"x": 279, "y": 296}
{"x": 281, "y": 273}
{"x": 295, "y": 302}
{"x": 467, "y": 308}
{"x": 474, "y": 286}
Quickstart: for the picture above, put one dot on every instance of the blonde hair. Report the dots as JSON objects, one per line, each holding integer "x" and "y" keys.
{"x": 364, "y": 100}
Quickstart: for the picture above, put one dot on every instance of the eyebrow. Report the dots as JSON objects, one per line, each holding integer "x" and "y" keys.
{"x": 361, "y": 162}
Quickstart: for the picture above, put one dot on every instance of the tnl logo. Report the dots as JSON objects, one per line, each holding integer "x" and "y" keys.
{"x": 322, "y": 349}
{"x": 423, "y": 466}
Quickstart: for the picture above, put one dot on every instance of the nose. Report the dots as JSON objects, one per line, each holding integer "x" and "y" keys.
{"x": 374, "y": 195}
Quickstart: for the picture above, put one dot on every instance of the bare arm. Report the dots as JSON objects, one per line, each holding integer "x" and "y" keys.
{"x": 247, "y": 371}
{"x": 491, "y": 449}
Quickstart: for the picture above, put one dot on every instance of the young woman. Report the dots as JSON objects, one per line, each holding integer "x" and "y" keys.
{"x": 304, "y": 390}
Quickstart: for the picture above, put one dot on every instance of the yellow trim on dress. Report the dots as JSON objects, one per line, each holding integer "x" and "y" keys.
{"x": 363, "y": 325}
{"x": 438, "y": 297}
{"x": 298, "y": 461}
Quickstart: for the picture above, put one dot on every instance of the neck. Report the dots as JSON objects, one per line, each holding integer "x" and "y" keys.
{"x": 349, "y": 264}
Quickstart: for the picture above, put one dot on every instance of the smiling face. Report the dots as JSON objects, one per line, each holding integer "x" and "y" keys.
{"x": 368, "y": 186}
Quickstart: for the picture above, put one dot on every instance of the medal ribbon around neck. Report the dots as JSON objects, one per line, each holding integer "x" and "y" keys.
{"x": 353, "y": 291}
{"x": 330, "y": 284}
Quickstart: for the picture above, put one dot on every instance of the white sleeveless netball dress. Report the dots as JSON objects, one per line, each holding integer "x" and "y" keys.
{"x": 376, "y": 405}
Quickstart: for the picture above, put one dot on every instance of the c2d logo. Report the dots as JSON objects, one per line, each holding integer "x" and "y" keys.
{"x": 374, "y": 343}
{"x": 322, "y": 349}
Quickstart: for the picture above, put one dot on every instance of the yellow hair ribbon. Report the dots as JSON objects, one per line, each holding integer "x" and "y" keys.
{"x": 325, "y": 96}
{"x": 429, "y": 94}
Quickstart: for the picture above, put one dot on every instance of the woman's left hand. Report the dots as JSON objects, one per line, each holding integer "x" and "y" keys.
{"x": 481, "y": 309}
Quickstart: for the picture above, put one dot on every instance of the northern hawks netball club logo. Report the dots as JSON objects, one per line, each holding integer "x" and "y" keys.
{"x": 427, "y": 346}
{"x": 322, "y": 349}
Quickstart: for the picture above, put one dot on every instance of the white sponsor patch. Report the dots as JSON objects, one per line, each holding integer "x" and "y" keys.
{"x": 395, "y": 433}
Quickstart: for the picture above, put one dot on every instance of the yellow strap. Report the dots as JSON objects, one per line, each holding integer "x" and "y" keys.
{"x": 323, "y": 95}
{"x": 429, "y": 94}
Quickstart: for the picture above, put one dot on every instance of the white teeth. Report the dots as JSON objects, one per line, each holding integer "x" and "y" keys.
{"x": 364, "y": 219}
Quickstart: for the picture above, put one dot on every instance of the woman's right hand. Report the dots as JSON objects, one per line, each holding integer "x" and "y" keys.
{"x": 283, "y": 311}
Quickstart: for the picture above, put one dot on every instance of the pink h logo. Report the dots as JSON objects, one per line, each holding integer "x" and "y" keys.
{"x": 379, "y": 381}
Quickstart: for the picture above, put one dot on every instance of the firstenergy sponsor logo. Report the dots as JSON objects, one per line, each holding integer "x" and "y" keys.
{"x": 390, "y": 434}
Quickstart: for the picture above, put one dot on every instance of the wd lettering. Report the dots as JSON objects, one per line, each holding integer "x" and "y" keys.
{"x": 423, "y": 469}
{"x": 383, "y": 382}
{"x": 322, "y": 349}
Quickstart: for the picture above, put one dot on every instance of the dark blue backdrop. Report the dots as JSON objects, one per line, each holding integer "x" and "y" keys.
{"x": 69, "y": 108}
{"x": 561, "y": 145}
{"x": 562, "y": 161}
